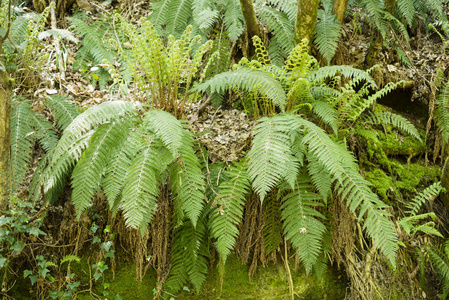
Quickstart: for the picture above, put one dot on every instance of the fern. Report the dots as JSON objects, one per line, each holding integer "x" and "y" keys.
{"x": 61, "y": 33}
{"x": 270, "y": 155}
{"x": 407, "y": 10}
{"x": 440, "y": 262}
{"x": 63, "y": 110}
{"x": 180, "y": 12}
{"x": 247, "y": 80}
{"x": 429, "y": 193}
{"x": 281, "y": 27}
{"x": 388, "y": 118}
{"x": 329, "y": 72}
{"x": 442, "y": 113}
{"x": 227, "y": 216}
{"x": 327, "y": 32}
{"x": 300, "y": 220}
{"x": 272, "y": 230}
{"x": 233, "y": 19}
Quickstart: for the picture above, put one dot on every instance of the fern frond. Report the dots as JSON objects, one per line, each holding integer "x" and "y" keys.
{"x": 44, "y": 132}
{"x": 139, "y": 196}
{"x": 272, "y": 230}
{"x": 442, "y": 113}
{"x": 64, "y": 111}
{"x": 230, "y": 201}
{"x": 429, "y": 193}
{"x": 118, "y": 165}
{"x": 327, "y": 32}
{"x": 407, "y": 10}
{"x": 301, "y": 224}
{"x": 327, "y": 113}
{"x": 167, "y": 128}
{"x": 270, "y": 155}
{"x": 187, "y": 180}
{"x": 353, "y": 188}
{"x": 61, "y": 33}
{"x": 159, "y": 10}
{"x": 358, "y": 108}
{"x": 247, "y": 80}
{"x": 321, "y": 179}
{"x": 324, "y": 73}
{"x": 92, "y": 40}
{"x": 22, "y": 142}
{"x": 440, "y": 263}
{"x": 388, "y": 118}
{"x": 281, "y": 26}
{"x": 189, "y": 254}
{"x": 409, "y": 224}
{"x": 180, "y": 12}
{"x": 375, "y": 10}
{"x": 233, "y": 19}
{"x": 289, "y": 7}
{"x": 89, "y": 170}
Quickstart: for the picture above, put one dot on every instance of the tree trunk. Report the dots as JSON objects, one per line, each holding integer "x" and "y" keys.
{"x": 5, "y": 136}
{"x": 306, "y": 20}
{"x": 252, "y": 27}
{"x": 340, "y": 9}
{"x": 445, "y": 184}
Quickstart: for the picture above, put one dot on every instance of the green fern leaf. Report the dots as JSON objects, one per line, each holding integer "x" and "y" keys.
{"x": 44, "y": 132}
{"x": 60, "y": 33}
{"x": 327, "y": 32}
{"x": 407, "y": 10}
{"x": 233, "y": 19}
{"x": 281, "y": 27}
{"x": 159, "y": 10}
{"x": 272, "y": 230}
{"x": 180, "y": 12}
{"x": 88, "y": 172}
{"x": 327, "y": 113}
{"x": 247, "y": 80}
{"x": 187, "y": 181}
{"x": 301, "y": 224}
{"x": 63, "y": 110}
{"x": 22, "y": 142}
{"x": 270, "y": 154}
{"x": 324, "y": 73}
{"x": 429, "y": 193}
{"x": 227, "y": 216}
{"x": 388, "y": 118}
{"x": 140, "y": 192}
{"x": 442, "y": 113}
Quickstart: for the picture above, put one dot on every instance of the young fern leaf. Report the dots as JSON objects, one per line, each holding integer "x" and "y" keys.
{"x": 89, "y": 170}
{"x": 300, "y": 220}
{"x": 44, "y": 132}
{"x": 327, "y": 32}
{"x": 63, "y": 110}
{"x": 388, "y": 118}
{"x": 228, "y": 214}
{"x": 429, "y": 193}
{"x": 327, "y": 113}
{"x": 270, "y": 154}
{"x": 248, "y": 80}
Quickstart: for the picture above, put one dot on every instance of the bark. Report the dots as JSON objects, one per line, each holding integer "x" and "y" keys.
{"x": 445, "y": 184}
{"x": 306, "y": 20}
{"x": 252, "y": 26}
{"x": 5, "y": 136}
{"x": 340, "y": 9}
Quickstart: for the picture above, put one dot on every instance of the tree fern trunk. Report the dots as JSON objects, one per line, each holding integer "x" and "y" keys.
{"x": 252, "y": 26}
{"x": 5, "y": 135}
{"x": 306, "y": 20}
{"x": 340, "y": 9}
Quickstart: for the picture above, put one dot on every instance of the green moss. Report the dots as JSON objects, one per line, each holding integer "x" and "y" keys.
{"x": 268, "y": 283}
{"x": 382, "y": 183}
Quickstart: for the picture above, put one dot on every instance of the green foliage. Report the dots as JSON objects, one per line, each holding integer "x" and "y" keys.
{"x": 388, "y": 118}
{"x": 429, "y": 193}
{"x": 440, "y": 260}
{"x": 163, "y": 72}
{"x": 327, "y": 32}
{"x": 230, "y": 201}
{"x": 442, "y": 113}
{"x": 28, "y": 127}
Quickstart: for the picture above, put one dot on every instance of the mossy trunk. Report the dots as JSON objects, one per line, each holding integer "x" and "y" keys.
{"x": 340, "y": 9}
{"x": 306, "y": 20}
{"x": 252, "y": 27}
{"x": 5, "y": 136}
